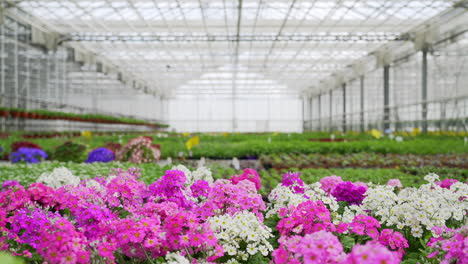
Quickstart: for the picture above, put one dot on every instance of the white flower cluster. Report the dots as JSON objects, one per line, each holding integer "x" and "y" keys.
{"x": 58, "y": 178}
{"x": 418, "y": 208}
{"x": 162, "y": 135}
{"x": 316, "y": 193}
{"x": 348, "y": 214}
{"x": 202, "y": 173}
{"x": 243, "y": 227}
{"x": 283, "y": 196}
{"x": 176, "y": 258}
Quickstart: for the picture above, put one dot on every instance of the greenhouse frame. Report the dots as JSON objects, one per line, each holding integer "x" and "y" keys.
{"x": 239, "y": 65}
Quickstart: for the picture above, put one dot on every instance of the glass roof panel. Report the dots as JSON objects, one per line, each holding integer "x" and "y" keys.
{"x": 196, "y": 43}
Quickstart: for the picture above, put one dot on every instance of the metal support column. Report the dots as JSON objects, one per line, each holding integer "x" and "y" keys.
{"x": 303, "y": 114}
{"x": 2, "y": 56}
{"x": 310, "y": 113}
{"x": 319, "y": 117}
{"x": 47, "y": 79}
{"x": 28, "y": 82}
{"x": 424, "y": 90}
{"x": 344, "y": 107}
{"x": 2, "y": 63}
{"x": 361, "y": 98}
{"x": 386, "y": 86}
{"x": 16, "y": 76}
{"x": 16, "y": 85}
{"x": 330, "y": 127}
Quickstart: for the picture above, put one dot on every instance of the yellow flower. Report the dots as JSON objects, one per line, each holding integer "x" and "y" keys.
{"x": 87, "y": 134}
{"x": 375, "y": 133}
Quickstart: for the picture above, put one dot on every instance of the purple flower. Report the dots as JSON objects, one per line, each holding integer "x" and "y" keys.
{"x": 170, "y": 188}
{"x": 292, "y": 178}
{"x": 200, "y": 188}
{"x": 349, "y": 192}
{"x": 10, "y": 183}
{"x": 29, "y": 155}
{"x": 100, "y": 155}
{"x": 446, "y": 183}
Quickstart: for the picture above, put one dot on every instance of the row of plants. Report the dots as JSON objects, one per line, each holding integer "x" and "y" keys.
{"x": 68, "y": 134}
{"x": 362, "y": 160}
{"x": 55, "y": 115}
{"x": 253, "y": 146}
{"x": 188, "y": 217}
{"x": 409, "y": 176}
{"x": 136, "y": 150}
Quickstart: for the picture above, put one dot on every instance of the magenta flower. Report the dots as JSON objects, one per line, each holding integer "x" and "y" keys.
{"x": 395, "y": 183}
{"x": 370, "y": 253}
{"x": 329, "y": 183}
{"x": 446, "y": 183}
{"x": 349, "y": 192}
{"x": 250, "y": 175}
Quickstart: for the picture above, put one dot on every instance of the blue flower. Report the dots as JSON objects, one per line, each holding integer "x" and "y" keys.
{"x": 100, "y": 155}
{"x": 29, "y": 155}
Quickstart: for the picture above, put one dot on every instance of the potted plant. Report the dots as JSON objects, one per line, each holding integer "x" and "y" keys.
{"x": 15, "y": 112}
{"x": 3, "y": 112}
{"x": 24, "y": 113}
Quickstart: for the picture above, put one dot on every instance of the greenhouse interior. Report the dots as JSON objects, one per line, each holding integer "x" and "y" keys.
{"x": 234, "y": 131}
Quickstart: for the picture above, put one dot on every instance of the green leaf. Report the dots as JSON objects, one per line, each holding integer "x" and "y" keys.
{"x": 348, "y": 242}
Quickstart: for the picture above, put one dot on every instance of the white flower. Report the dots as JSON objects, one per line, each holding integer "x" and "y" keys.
{"x": 283, "y": 196}
{"x": 58, "y": 178}
{"x": 431, "y": 177}
{"x": 418, "y": 208}
{"x": 231, "y": 250}
{"x": 244, "y": 227}
{"x": 252, "y": 249}
{"x": 203, "y": 173}
{"x": 176, "y": 258}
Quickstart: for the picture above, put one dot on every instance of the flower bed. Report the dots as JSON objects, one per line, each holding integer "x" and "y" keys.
{"x": 55, "y": 115}
{"x": 362, "y": 160}
{"x": 188, "y": 217}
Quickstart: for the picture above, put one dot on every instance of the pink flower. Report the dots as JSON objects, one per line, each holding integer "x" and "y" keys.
{"x": 371, "y": 253}
{"x": 446, "y": 183}
{"x": 395, "y": 183}
{"x": 318, "y": 247}
{"x": 250, "y": 175}
{"x": 329, "y": 183}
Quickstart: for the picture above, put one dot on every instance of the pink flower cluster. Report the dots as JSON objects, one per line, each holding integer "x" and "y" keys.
{"x": 324, "y": 247}
{"x": 353, "y": 193}
{"x": 250, "y": 175}
{"x": 395, "y": 183}
{"x": 329, "y": 183}
{"x": 310, "y": 223}
{"x": 119, "y": 215}
{"x": 53, "y": 237}
{"x": 451, "y": 246}
{"x": 139, "y": 150}
{"x": 371, "y": 253}
{"x": 293, "y": 180}
{"x": 446, "y": 183}
{"x": 318, "y": 247}
{"x": 308, "y": 217}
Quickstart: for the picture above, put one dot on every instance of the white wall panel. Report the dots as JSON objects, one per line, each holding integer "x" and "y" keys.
{"x": 214, "y": 114}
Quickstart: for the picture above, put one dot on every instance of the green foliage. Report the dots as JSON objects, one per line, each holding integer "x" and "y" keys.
{"x": 255, "y": 145}
{"x": 70, "y": 151}
{"x": 84, "y": 117}
{"x": 8, "y": 259}
{"x": 348, "y": 242}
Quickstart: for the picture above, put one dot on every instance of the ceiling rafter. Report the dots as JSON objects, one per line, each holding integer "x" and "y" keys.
{"x": 171, "y": 43}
